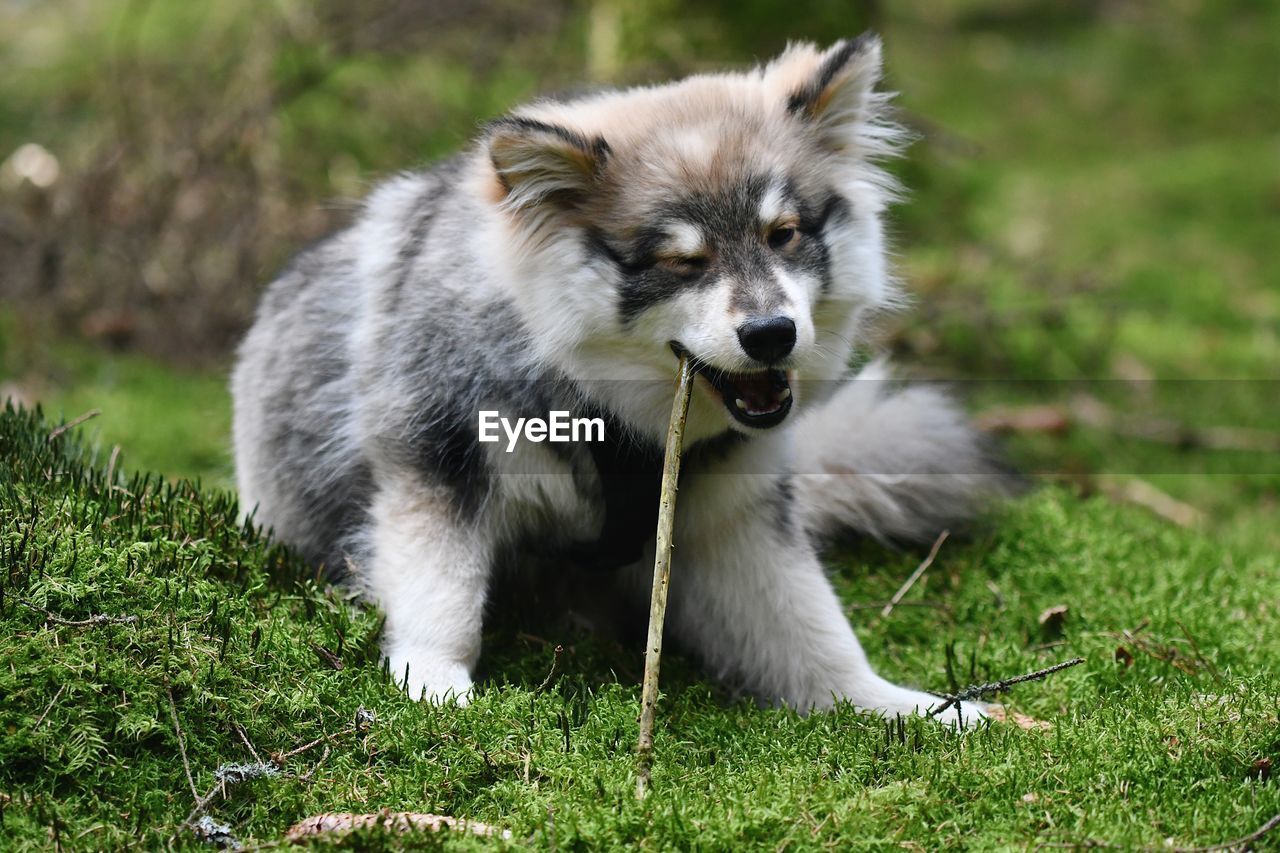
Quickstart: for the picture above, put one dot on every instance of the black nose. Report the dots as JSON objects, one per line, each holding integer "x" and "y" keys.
{"x": 768, "y": 339}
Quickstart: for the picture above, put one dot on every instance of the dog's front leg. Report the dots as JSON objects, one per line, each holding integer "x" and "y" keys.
{"x": 751, "y": 596}
{"x": 429, "y": 572}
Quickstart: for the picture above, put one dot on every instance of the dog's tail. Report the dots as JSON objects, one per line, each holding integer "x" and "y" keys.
{"x": 894, "y": 462}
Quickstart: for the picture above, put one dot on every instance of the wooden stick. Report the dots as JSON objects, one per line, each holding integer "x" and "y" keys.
{"x": 661, "y": 575}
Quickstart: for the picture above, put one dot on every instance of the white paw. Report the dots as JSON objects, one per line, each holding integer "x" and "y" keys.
{"x": 889, "y": 700}
{"x": 961, "y": 715}
{"x": 431, "y": 679}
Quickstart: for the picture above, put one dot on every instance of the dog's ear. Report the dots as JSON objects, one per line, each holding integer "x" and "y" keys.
{"x": 834, "y": 92}
{"x": 540, "y": 164}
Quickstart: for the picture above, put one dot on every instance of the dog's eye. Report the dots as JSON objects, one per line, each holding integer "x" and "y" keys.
{"x": 782, "y": 236}
{"x": 689, "y": 266}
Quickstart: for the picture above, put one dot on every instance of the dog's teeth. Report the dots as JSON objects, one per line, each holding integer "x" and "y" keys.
{"x": 741, "y": 405}
{"x": 786, "y": 392}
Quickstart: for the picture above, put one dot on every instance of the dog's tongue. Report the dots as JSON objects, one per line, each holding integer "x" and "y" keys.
{"x": 760, "y": 392}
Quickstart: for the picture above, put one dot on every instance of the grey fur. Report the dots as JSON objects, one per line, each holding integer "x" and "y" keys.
{"x": 533, "y": 273}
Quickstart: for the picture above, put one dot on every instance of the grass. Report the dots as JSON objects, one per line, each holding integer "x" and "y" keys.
{"x": 1166, "y": 739}
{"x": 1093, "y": 200}
{"x": 162, "y": 418}
{"x": 1093, "y": 208}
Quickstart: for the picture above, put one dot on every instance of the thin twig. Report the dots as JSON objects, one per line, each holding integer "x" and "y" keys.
{"x": 915, "y": 576}
{"x": 96, "y": 619}
{"x": 661, "y": 575}
{"x": 281, "y": 758}
{"x": 310, "y": 774}
{"x": 201, "y": 804}
{"x": 1195, "y": 647}
{"x": 532, "y": 638}
{"x": 233, "y": 774}
{"x": 1092, "y": 412}
{"x": 1164, "y": 652}
{"x": 1234, "y": 844}
{"x": 244, "y": 739}
{"x": 1088, "y": 411}
{"x": 1144, "y": 494}
{"x": 49, "y": 707}
{"x": 72, "y": 424}
{"x": 977, "y": 691}
{"x": 226, "y": 774}
{"x": 879, "y": 605}
{"x": 182, "y": 746}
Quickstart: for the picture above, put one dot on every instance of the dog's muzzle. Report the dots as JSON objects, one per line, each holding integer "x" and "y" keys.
{"x": 760, "y": 398}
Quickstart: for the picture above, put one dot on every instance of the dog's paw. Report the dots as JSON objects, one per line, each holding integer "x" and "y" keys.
{"x": 889, "y": 700}
{"x": 431, "y": 679}
{"x": 960, "y": 715}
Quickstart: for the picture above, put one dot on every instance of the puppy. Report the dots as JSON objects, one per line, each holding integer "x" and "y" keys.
{"x": 555, "y": 270}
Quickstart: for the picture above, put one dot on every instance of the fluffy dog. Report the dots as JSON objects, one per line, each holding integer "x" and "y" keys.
{"x": 562, "y": 264}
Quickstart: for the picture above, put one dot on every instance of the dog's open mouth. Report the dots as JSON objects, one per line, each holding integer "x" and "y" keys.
{"x": 760, "y": 399}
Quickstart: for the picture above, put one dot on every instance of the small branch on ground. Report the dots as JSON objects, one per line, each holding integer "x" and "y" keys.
{"x": 1088, "y": 411}
{"x": 226, "y": 774}
{"x": 236, "y": 773}
{"x": 1157, "y": 649}
{"x": 182, "y": 742}
{"x": 281, "y": 757}
{"x": 1092, "y": 412}
{"x": 1143, "y": 494}
{"x": 49, "y": 707}
{"x": 311, "y": 774}
{"x": 915, "y": 576}
{"x": 72, "y": 424}
{"x": 880, "y": 605}
{"x": 977, "y": 691}
{"x": 244, "y": 739}
{"x": 1024, "y": 419}
{"x": 1195, "y": 649}
{"x": 1241, "y": 843}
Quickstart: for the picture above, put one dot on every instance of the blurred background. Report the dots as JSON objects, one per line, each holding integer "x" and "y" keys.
{"x": 1092, "y": 237}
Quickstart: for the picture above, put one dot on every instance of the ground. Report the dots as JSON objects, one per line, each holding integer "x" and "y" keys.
{"x": 1091, "y": 224}
{"x": 1167, "y": 731}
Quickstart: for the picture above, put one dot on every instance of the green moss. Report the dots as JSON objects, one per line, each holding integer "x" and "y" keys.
{"x": 1094, "y": 198}
{"x": 228, "y": 624}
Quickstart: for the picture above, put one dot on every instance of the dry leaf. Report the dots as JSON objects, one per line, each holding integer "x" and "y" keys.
{"x": 1021, "y": 419}
{"x": 1001, "y": 714}
{"x": 1052, "y": 620}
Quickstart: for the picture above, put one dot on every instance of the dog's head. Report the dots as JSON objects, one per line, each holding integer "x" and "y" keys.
{"x": 733, "y": 217}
